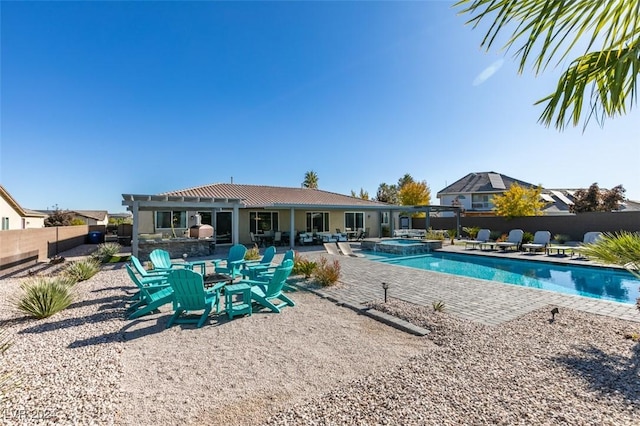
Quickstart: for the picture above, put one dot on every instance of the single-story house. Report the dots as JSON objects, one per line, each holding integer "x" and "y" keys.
{"x": 474, "y": 193}
{"x": 13, "y": 216}
{"x": 260, "y": 208}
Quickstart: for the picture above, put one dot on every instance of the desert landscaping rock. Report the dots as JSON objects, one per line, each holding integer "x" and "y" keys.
{"x": 316, "y": 363}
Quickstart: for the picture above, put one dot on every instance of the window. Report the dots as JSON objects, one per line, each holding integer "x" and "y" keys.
{"x": 354, "y": 220}
{"x": 317, "y": 222}
{"x": 5, "y": 223}
{"x": 481, "y": 201}
{"x": 263, "y": 221}
{"x": 384, "y": 218}
{"x": 164, "y": 219}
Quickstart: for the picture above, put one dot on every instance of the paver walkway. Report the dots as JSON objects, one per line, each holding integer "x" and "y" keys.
{"x": 486, "y": 302}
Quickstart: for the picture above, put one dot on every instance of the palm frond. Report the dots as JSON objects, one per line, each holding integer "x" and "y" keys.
{"x": 544, "y": 30}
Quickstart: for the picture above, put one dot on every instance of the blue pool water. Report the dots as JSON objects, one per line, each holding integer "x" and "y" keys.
{"x": 598, "y": 283}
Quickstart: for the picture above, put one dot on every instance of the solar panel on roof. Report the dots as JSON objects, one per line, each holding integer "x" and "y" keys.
{"x": 562, "y": 197}
{"x": 496, "y": 181}
{"x": 547, "y": 197}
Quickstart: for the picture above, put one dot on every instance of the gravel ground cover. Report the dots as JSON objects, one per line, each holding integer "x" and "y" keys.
{"x": 316, "y": 363}
{"x": 578, "y": 369}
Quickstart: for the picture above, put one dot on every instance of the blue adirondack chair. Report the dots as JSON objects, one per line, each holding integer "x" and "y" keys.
{"x": 145, "y": 273}
{"x": 152, "y": 293}
{"x": 162, "y": 262}
{"x": 254, "y": 267}
{"x": 267, "y": 293}
{"x": 190, "y": 295}
{"x": 266, "y": 273}
{"x": 234, "y": 261}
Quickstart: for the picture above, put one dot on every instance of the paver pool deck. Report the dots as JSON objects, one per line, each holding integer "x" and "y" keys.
{"x": 482, "y": 301}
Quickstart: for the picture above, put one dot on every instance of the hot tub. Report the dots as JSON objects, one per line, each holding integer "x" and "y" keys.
{"x": 402, "y": 246}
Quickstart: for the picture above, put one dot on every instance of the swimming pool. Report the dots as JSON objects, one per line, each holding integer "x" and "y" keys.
{"x": 597, "y": 283}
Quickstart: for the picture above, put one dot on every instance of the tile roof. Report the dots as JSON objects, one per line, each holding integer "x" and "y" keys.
{"x": 262, "y": 195}
{"x": 481, "y": 182}
{"x": 92, "y": 214}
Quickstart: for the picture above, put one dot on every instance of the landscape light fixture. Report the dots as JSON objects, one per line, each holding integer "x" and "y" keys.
{"x": 385, "y": 287}
{"x": 554, "y": 311}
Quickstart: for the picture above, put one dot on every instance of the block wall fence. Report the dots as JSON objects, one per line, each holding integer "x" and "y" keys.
{"x": 21, "y": 246}
{"x": 573, "y": 225}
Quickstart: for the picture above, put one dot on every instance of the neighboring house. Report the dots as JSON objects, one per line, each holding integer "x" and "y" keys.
{"x": 13, "y": 216}
{"x": 92, "y": 217}
{"x": 89, "y": 217}
{"x": 475, "y": 191}
{"x": 259, "y": 208}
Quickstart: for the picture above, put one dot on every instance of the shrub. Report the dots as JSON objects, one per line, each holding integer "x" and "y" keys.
{"x": 472, "y": 231}
{"x": 106, "y": 251}
{"x": 327, "y": 274}
{"x": 527, "y": 237}
{"x": 303, "y": 266}
{"x": 561, "y": 238}
{"x": 495, "y": 235}
{"x": 502, "y": 238}
{"x": 253, "y": 253}
{"x": 43, "y": 297}
{"x": 81, "y": 270}
{"x": 434, "y": 235}
{"x": 438, "y": 306}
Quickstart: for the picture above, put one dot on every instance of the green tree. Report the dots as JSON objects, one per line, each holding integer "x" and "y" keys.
{"x": 595, "y": 199}
{"x": 363, "y": 194}
{"x": 407, "y": 178}
{"x": 310, "y": 180}
{"x": 604, "y": 76}
{"x": 59, "y": 218}
{"x": 387, "y": 194}
{"x": 519, "y": 201}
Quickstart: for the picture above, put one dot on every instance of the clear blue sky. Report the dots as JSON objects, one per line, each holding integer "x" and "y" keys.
{"x": 104, "y": 98}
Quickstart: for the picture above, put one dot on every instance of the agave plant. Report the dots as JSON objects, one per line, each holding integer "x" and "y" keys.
{"x": 106, "y": 251}
{"x": 44, "y": 296}
{"x": 618, "y": 248}
{"x": 82, "y": 270}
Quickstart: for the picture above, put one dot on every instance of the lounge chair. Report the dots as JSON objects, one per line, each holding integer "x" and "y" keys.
{"x": 190, "y": 295}
{"x": 267, "y": 293}
{"x": 482, "y": 237}
{"x": 331, "y": 248}
{"x": 588, "y": 238}
{"x": 152, "y": 293}
{"x": 540, "y": 241}
{"x": 345, "y": 248}
{"x": 234, "y": 261}
{"x": 162, "y": 262}
{"x": 513, "y": 240}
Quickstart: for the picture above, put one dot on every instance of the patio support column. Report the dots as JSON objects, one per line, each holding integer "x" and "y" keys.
{"x": 134, "y": 237}
{"x": 391, "y": 223}
{"x": 427, "y": 214}
{"x": 235, "y": 232}
{"x": 292, "y": 230}
{"x": 214, "y": 223}
{"x": 458, "y": 230}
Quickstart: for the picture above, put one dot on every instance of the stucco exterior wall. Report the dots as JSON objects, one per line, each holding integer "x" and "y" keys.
{"x": 15, "y": 220}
